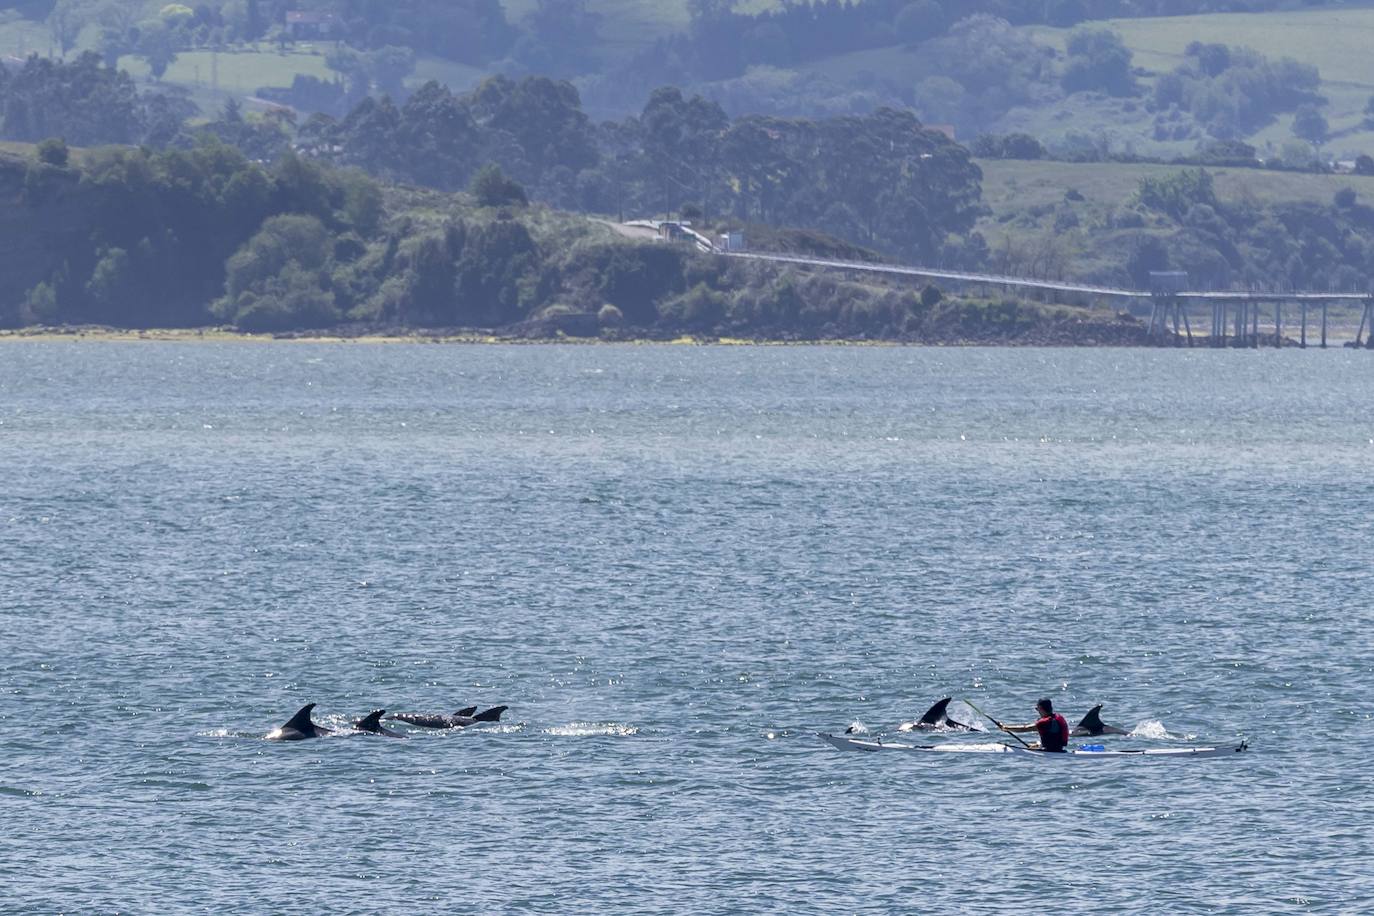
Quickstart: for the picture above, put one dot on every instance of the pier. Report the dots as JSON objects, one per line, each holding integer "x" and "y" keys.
{"x": 1235, "y": 314}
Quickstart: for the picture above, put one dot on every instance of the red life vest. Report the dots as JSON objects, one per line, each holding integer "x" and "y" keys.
{"x": 1054, "y": 732}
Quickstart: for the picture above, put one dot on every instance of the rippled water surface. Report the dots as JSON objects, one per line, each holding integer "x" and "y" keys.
{"x": 675, "y": 565}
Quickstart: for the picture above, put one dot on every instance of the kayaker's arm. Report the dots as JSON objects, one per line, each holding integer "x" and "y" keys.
{"x": 1016, "y": 728}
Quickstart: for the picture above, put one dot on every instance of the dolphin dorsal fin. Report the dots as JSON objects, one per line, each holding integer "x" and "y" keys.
{"x": 937, "y": 712}
{"x": 372, "y": 722}
{"x": 301, "y": 720}
{"x": 491, "y": 715}
{"x": 466, "y": 711}
{"x": 1093, "y": 720}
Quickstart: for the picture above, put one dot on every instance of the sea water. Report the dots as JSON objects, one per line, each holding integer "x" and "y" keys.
{"x": 675, "y": 565}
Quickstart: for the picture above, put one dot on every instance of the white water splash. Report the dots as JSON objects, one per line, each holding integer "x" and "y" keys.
{"x": 973, "y": 748}
{"x": 1153, "y": 728}
{"x": 592, "y": 729}
{"x": 856, "y": 728}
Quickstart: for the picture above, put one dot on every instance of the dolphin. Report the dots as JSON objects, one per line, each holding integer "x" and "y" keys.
{"x": 299, "y": 727}
{"x": 372, "y": 724}
{"x": 457, "y": 720}
{"x": 935, "y": 718}
{"x": 1092, "y": 724}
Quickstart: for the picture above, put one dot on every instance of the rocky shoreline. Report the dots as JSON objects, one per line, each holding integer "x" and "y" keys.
{"x": 1123, "y": 331}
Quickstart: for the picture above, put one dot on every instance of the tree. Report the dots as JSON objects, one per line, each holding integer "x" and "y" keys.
{"x": 254, "y": 25}
{"x": 495, "y": 273}
{"x": 390, "y": 66}
{"x": 1098, "y": 61}
{"x": 82, "y": 101}
{"x": 919, "y": 21}
{"x": 1148, "y": 254}
{"x": 53, "y": 151}
{"x": 1310, "y": 125}
{"x": 67, "y": 19}
{"x": 1177, "y": 193}
{"x": 157, "y": 45}
{"x": 492, "y": 188}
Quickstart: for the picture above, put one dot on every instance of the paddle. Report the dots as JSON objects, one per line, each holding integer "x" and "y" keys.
{"x": 999, "y": 725}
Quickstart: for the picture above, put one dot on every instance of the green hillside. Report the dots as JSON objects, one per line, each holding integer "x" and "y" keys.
{"x": 1335, "y": 40}
{"x": 1011, "y": 188}
{"x": 1080, "y": 219}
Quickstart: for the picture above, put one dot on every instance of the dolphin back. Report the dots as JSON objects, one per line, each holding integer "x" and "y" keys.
{"x": 301, "y": 720}
{"x": 372, "y": 722}
{"x": 936, "y": 712}
{"x": 1092, "y": 722}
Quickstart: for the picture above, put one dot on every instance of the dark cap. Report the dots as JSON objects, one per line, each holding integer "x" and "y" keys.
{"x": 1045, "y": 704}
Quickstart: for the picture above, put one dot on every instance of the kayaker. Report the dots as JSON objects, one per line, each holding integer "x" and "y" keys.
{"x": 1053, "y": 730}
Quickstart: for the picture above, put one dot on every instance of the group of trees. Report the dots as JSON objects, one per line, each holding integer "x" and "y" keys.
{"x": 86, "y": 103}
{"x": 130, "y": 237}
{"x": 1232, "y": 92}
{"x": 1249, "y": 242}
{"x": 913, "y": 187}
{"x": 134, "y": 238}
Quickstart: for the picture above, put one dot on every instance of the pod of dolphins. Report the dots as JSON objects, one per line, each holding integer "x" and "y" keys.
{"x": 301, "y": 727}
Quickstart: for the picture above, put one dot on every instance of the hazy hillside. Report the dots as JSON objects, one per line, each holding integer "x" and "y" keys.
{"x": 832, "y": 120}
{"x": 616, "y": 51}
{"x": 1336, "y": 40}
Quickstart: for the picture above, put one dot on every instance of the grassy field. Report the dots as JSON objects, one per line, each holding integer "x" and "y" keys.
{"x": 24, "y": 37}
{"x": 11, "y": 150}
{"x": 238, "y": 71}
{"x": 1011, "y": 187}
{"x": 16, "y": 150}
{"x": 1335, "y": 39}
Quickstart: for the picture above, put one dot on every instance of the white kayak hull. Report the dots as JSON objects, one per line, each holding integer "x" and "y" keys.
{"x": 1081, "y": 752}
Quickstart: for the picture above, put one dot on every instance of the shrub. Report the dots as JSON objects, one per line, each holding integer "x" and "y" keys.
{"x": 53, "y": 151}
{"x": 492, "y": 188}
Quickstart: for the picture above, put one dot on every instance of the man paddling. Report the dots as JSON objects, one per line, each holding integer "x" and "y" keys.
{"x": 1054, "y": 731}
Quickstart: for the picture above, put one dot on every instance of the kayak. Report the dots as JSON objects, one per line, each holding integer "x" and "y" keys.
{"x": 1080, "y": 752}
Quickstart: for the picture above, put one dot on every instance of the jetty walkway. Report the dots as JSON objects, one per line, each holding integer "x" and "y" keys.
{"x": 1234, "y": 314}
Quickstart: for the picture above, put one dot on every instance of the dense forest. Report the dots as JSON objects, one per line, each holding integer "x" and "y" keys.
{"x": 135, "y": 238}
{"x": 680, "y": 154}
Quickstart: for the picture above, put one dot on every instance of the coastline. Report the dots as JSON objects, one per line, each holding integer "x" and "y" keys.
{"x": 1092, "y": 335}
